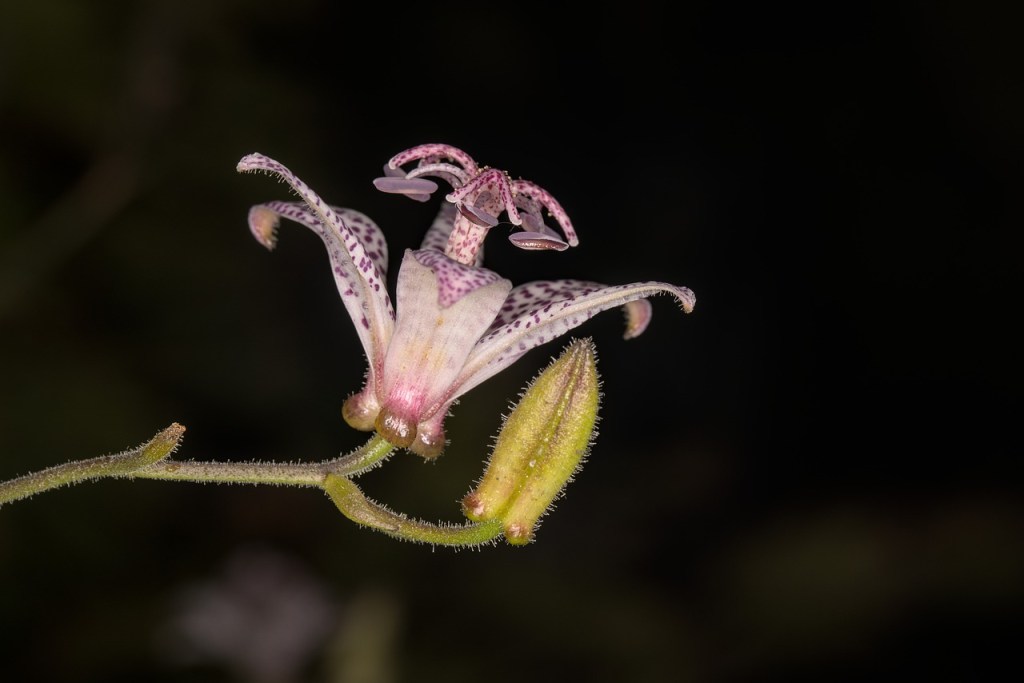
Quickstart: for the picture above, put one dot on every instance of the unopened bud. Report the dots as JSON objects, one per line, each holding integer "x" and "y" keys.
{"x": 541, "y": 445}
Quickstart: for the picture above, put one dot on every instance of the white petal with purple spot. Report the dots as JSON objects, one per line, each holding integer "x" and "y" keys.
{"x": 455, "y": 280}
{"x": 361, "y": 284}
{"x": 549, "y": 319}
{"x": 432, "y": 340}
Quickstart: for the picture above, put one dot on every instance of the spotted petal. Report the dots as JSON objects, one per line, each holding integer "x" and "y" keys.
{"x": 455, "y": 280}
{"x": 369, "y": 234}
{"x": 360, "y": 282}
{"x": 434, "y": 333}
{"x": 540, "y": 293}
{"x": 537, "y": 294}
{"x": 556, "y": 307}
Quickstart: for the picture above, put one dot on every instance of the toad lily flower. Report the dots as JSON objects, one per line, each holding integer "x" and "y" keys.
{"x": 457, "y": 323}
{"x": 480, "y": 195}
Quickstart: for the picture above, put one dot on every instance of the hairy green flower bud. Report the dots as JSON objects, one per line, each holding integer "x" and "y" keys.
{"x": 541, "y": 445}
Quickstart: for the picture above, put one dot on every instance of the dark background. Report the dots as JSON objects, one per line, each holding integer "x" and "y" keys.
{"x": 812, "y": 477}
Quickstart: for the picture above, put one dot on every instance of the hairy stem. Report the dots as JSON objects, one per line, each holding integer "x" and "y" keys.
{"x": 361, "y": 460}
{"x": 152, "y": 452}
{"x": 283, "y": 474}
{"x": 150, "y": 461}
{"x": 361, "y": 510}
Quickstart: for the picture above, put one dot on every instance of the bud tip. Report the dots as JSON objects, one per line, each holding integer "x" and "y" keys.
{"x": 519, "y": 534}
{"x": 474, "y": 508}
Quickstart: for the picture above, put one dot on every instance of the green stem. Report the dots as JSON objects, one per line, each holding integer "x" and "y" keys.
{"x": 287, "y": 474}
{"x": 156, "y": 449}
{"x": 150, "y": 461}
{"x": 361, "y": 510}
{"x": 359, "y": 461}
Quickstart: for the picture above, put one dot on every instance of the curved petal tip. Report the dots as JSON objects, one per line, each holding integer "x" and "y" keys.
{"x": 638, "y": 317}
{"x": 263, "y": 224}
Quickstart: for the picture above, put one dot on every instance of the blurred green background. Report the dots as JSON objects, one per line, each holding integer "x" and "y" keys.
{"x": 813, "y": 477}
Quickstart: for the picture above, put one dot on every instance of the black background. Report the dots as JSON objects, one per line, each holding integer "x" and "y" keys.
{"x": 812, "y": 477}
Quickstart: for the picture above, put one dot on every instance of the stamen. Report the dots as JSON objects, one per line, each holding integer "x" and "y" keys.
{"x": 419, "y": 189}
{"x": 465, "y": 241}
{"x": 534, "y": 223}
{"x": 435, "y": 150}
{"x": 537, "y": 241}
{"x": 481, "y": 218}
{"x": 487, "y": 179}
{"x": 525, "y": 187}
{"x": 441, "y": 171}
{"x": 527, "y": 203}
